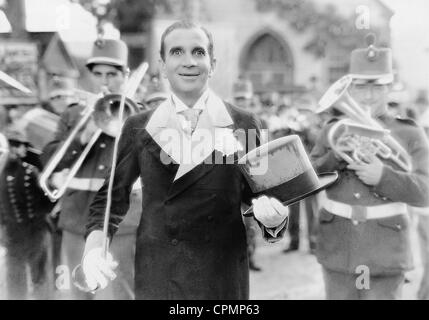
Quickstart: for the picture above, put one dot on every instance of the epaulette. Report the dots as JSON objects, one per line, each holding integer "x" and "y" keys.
{"x": 406, "y": 121}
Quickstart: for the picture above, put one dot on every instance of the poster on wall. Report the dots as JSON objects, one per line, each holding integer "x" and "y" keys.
{"x": 19, "y": 60}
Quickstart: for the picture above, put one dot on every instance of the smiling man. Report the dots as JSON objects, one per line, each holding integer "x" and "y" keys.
{"x": 191, "y": 242}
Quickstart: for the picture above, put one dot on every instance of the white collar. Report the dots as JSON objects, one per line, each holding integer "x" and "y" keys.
{"x": 181, "y": 106}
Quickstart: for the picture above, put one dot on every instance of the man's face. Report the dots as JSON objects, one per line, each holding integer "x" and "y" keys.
{"x": 107, "y": 79}
{"x": 187, "y": 64}
{"x": 371, "y": 97}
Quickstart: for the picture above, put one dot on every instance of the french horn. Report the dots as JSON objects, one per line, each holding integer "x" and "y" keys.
{"x": 354, "y": 139}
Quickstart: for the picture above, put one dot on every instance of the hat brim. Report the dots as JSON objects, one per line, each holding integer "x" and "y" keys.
{"x": 326, "y": 179}
{"x": 376, "y": 78}
{"x": 105, "y": 60}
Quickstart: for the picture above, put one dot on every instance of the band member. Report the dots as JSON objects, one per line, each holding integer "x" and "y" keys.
{"x": 108, "y": 66}
{"x": 363, "y": 243}
{"x": 61, "y": 94}
{"x": 191, "y": 241}
{"x": 24, "y": 232}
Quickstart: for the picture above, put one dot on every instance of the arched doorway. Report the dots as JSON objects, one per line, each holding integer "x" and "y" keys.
{"x": 267, "y": 61}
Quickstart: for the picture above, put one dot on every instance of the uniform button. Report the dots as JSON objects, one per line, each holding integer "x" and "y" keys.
{"x": 101, "y": 167}
{"x": 26, "y": 177}
{"x": 174, "y": 242}
{"x": 74, "y": 152}
{"x": 399, "y": 227}
{"x": 26, "y": 184}
{"x": 355, "y": 222}
{"x": 24, "y": 164}
{"x": 102, "y": 145}
{"x": 384, "y": 198}
{"x": 9, "y": 178}
{"x": 357, "y": 195}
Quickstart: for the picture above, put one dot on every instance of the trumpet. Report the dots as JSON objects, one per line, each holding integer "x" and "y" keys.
{"x": 4, "y": 151}
{"x": 360, "y": 134}
{"x": 105, "y": 116}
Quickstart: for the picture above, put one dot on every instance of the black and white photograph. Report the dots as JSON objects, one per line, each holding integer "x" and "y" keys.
{"x": 214, "y": 150}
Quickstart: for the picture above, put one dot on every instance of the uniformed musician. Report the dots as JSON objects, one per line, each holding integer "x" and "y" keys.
{"x": 24, "y": 232}
{"x": 108, "y": 67}
{"x": 363, "y": 242}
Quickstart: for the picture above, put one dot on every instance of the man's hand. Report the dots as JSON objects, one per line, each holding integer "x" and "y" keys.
{"x": 269, "y": 211}
{"x": 370, "y": 172}
{"x": 97, "y": 268}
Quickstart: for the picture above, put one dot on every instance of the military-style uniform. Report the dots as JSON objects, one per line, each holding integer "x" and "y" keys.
{"x": 364, "y": 240}
{"x": 24, "y": 232}
{"x": 77, "y": 198}
{"x": 382, "y": 245}
{"x": 85, "y": 184}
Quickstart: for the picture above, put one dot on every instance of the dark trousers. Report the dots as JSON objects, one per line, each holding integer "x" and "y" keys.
{"x": 343, "y": 286}
{"x": 26, "y": 263}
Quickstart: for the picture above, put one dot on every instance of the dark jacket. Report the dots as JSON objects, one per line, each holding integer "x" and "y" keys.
{"x": 191, "y": 241}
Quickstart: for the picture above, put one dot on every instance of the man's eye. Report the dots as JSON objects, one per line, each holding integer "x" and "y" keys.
{"x": 111, "y": 75}
{"x": 176, "y": 52}
{"x": 200, "y": 53}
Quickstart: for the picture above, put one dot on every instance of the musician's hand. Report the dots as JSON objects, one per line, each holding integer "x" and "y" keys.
{"x": 269, "y": 211}
{"x": 370, "y": 172}
{"x": 88, "y": 132}
{"x": 58, "y": 178}
{"x": 97, "y": 268}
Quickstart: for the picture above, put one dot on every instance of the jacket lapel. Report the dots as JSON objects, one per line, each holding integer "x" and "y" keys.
{"x": 215, "y": 115}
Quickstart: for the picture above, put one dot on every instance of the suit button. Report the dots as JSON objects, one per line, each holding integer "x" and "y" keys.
{"x": 174, "y": 242}
{"x": 102, "y": 145}
{"x": 357, "y": 195}
{"x": 101, "y": 167}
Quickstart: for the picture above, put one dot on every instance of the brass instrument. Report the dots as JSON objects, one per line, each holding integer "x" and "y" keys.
{"x": 105, "y": 116}
{"x": 4, "y": 151}
{"x": 360, "y": 134}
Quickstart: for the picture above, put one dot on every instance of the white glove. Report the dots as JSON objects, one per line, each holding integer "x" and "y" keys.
{"x": 98, "y": 270}
{"x": 269, "y": 211}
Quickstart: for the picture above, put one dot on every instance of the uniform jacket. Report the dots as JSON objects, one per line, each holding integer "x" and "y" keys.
{"x": 75, "y": 203}
{"x": 191, "y": 241}
{"x": 22, "y": 204}
{"x": 381, "y": 244}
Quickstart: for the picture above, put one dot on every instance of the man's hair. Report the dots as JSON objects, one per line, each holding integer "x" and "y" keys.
{"x": 186, "y": 25}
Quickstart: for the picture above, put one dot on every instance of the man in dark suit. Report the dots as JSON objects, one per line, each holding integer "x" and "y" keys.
{"x": 364, "y": 243}
{"x": 191, "y": 241}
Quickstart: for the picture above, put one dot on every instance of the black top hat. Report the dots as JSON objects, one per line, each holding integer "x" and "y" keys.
{"x": 282, "y": 169}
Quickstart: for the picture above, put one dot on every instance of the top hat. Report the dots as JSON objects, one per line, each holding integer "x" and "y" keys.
{"x": 282, "y": 169}
{"x": 242, "y": 89}
{"x": 109, "y": 51}
{"x": 372, "y": 63}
